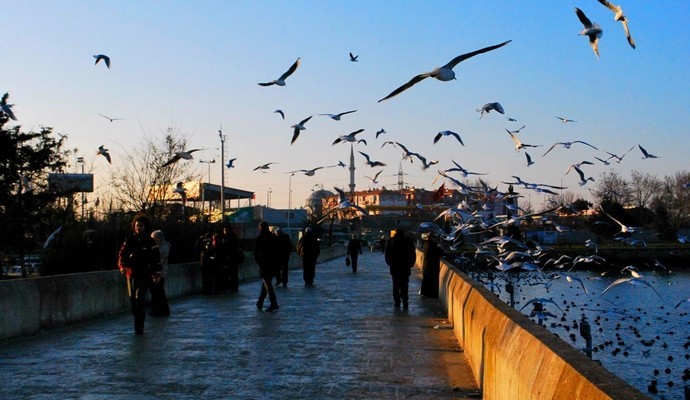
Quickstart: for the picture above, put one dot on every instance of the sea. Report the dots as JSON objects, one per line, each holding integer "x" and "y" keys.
{"x": 640, "y": 328}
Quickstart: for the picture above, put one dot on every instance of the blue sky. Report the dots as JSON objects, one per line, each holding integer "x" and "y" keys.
{"x": 195, "y": 67}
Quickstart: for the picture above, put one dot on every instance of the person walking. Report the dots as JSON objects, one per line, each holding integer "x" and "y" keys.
{"x": 227, "y": 259}
{"x": 308, "y": 248}
{"x": 400, "y": 256}
{"x": 284, "y": 249}
{"x": 431, "y": 267}
{"x": 206, "y": 252}
{"x": 354, "y": 249}
{"x": 140, "y": 262}
{"x": 159, "y": 301}
{"x": 265, "y": 257}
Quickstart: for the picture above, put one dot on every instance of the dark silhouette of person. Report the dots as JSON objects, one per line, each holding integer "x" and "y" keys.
{"x": 431, "y": 267}
{"x": 284, "y": 249}
{"x": 140, "y": 262}
{"x": 354, "y": 249}
{"x": 400, "y": 257}
{"x": 382, "y": 244}
{"x": 265, "y": 257}
{"x": 159, "y": 301}
{"x": 227, "y": 260}
{"x": 206, "y": 252}
{"x": 308, "y": 248}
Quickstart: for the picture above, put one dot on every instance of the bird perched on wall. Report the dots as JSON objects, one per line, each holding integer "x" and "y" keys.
{"x": 444, "y": 73}
{"x": 102, "y": 151}
{"x": 281, "y": 81}
{"x": 180, "y": 155}
{"x": 103, "y": 57}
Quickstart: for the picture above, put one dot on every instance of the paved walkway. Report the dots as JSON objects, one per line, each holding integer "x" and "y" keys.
{"x": 339, "y": 339}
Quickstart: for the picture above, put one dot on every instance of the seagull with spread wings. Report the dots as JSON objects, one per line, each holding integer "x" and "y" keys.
{"x": 26, "y": 184}
{"x": 380, "y": 132}
{"x": 447, "y": 133}
{"x": 567, "y": 145}
{"x": 624, "y": 228}
{"x": 518, "y": 143}
{"x": 279, "y": 111}
{"x": 486, "y": 108}
{"x": 583, "y": 180}
{"x": 180, "y": 155}
{"x": 102, "y": 151}
{"x": 566, "y": 120}
{"x": 264, "y": 167}
{"x": 350, "y": 137}
{"x": 103, "y": 57}
{"x": 374, "y": 180}
{"x": 111, "y": 119}
{"x": 620, "y": 17}
{"x": 7, "y": 110}
{"x": 299, "y": 127}
{"x": 308, "y": 172}
{"x": 632, "y": 281}
{"x": 444, "y": 73}
{"x": 52, "y": 237}
{"x": 336, "y": 117}
{"x": 645, "y": 153}
{"x": 281, "y": 81}
{"x": 344, "y": 203}
{"x": 463, "y": 171}
{"x": 592, "y": 30}
{"x": 354, "y": 58}
{"x": 372, "y": 163}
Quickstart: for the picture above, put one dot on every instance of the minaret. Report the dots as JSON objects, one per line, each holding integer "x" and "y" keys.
{"x": 352, "y": 169}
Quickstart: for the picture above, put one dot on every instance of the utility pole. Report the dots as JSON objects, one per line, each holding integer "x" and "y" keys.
{"x": 203, "y": 191}
{"x": 289, "y": 199}
{"x": 80, "y": 160}
{"x": 222, "y": 174}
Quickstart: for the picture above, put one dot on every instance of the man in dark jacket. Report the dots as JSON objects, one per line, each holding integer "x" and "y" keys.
{"x": 140, "y": 262}
{"x": 227, "y": 260}
{"x": 308, "y": 248}
{"x": 400, "y": 257}
{"x": 284, "y": 249}
{"x": 354, "y": 249}
{"x": 265, "y": 257}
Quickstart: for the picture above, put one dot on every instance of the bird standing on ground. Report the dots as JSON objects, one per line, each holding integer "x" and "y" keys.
{"x": 180, "y": 155}
{"x": 299, "y": 127}
{"x": 592, "y": 30}
{"x": 620, "y": 17}
{"x": 102, "y": 151}
{"x": 103, "y": 57}
{"x": 281, "y": 81}
{"x": 444, "y": 73}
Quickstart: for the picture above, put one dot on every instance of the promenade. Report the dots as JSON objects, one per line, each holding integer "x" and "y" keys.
{"x": 339, "y": 339}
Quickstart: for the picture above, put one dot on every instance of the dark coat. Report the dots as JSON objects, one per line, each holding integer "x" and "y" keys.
{"x": 284, "y": 248}
{"x": 139, "y": 254}
{"x": 400, "y": 255}
{"x": 265, "y": 254}
{"x": 354, "y": 246}
{"x": 308, "y": 246}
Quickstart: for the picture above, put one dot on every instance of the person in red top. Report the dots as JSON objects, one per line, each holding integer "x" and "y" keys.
{"x": 139, "y": 260}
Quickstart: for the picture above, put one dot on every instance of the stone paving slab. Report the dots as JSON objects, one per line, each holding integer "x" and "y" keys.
{"x": 339, "y": 339}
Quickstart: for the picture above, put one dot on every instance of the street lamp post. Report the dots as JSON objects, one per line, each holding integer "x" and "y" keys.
{"x": 80, "y": 160}
{"x": 203, "y": 192}
{"x": 268, "y": 197}
{"x": 289, "y": 199}
{"x": 222, "y": 174}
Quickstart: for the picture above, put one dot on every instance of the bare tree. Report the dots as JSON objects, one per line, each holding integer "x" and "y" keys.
{"x": 643, "y": 186}
{"x": 674, "y": 199}
{"x": 611, "y": 187}
{"x": 140, "y": 181}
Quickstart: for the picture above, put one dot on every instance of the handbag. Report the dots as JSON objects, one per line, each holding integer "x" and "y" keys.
{"x": 347, "y": 261}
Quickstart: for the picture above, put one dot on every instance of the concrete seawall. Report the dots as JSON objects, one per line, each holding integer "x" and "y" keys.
{"x": 32, "y": 305}
{"x": 514, "y": 358}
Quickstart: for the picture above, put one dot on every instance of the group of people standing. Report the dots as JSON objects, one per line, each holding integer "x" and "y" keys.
{"x": 220, "y": 255}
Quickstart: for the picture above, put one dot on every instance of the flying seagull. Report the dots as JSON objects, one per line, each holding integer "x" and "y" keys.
{"x": 299, "y": 127}
{"x": 529, "y": 159}
{"x": 566, "y": 120}
{"x": 103, "y": 57}
{"x": 374, "y": 180}
{"x": 624, "y": 228}
{"x": 110, "y": 119}
{"x": 354, "y": 58}
{"x": 351, "y": 137}
{"x": 516, "y": 130}
{"x": 344, "y": 203}
{"x": 336, "y": 117}
{"x": 583, "y": 180}
{"x": 518, "y": 143}
{"x": 263, "y": 166}
{"x": 102, "y": 151}
{"x": 52, "y": 237}
{"x": 645, "y": 153}
{"x": 578, "y": 165}
{"x": 27, "y": 185}
{"x": 633, "y": 281}
{"x": 230, "y": 163}
{"x": 591, "y": 30}
{"x": 281, "y": 81}
{"x": 447, "y": 133}
{"x": 372, "y": 163}
{"x": 620, "y": 17}
{"x": 444, "y": 73}
{"x": 567, "y": 145}
{"x": 307, "y": 172}
{"x": 7, "y": 110}
{"x": 490, "y": 106}
{"x": 380, "y": 132}
{"x": 179, "y": 155}
{"x": 282, "y": 114}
